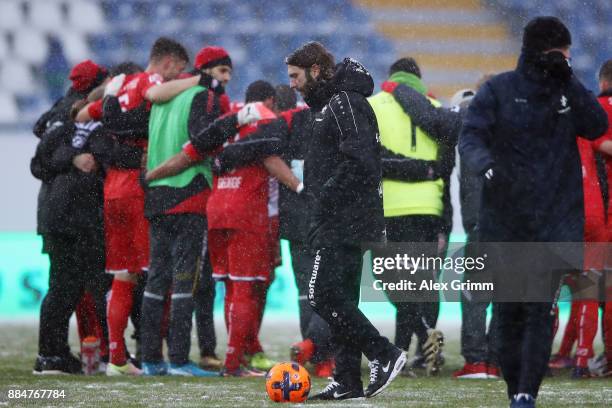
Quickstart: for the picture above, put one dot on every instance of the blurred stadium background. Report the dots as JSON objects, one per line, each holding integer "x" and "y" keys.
{"x": 454, "y": 41}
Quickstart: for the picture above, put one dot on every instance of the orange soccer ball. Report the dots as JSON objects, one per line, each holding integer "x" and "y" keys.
{"x": 288, "y": 382}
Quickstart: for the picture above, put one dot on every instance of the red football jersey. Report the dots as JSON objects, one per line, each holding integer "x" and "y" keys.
{"x": 606, "y": 102}
{"x": 593, "y": 199}
{"x": 124, "y": 182}
{"x": 243, "y": 199}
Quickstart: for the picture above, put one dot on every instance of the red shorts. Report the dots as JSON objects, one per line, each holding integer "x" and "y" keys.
{"x": 127, "y": 235}
{"x": 240, "y": 255}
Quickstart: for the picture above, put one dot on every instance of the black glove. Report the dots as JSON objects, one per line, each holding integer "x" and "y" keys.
{"x": 211, "y": 83}
{"x": 558, "y": 66}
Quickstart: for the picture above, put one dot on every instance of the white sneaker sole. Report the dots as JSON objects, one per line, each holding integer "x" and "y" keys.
{"x": 480, "y": 376}
{"x": 49, "y": 372}
{"x": 397, "y": 368}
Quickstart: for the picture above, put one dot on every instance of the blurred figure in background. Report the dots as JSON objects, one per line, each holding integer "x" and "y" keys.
{"x": 478, "y": 345}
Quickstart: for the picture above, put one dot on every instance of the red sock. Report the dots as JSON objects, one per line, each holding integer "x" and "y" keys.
{"x": 253, "y": 345}
{"x": 118, "y": 311}
{"x": 226, "y": 305}
{"x": 81, "y": 318}
{"x": 242, "y": 309}
{"x": 588, "y": 314}
{"x": 608, "y": 331}
{"x": 570, "y": 333}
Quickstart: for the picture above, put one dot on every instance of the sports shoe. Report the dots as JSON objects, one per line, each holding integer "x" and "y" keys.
{"x": 241, "y": 372}
{"x": 522, "y": 401}
{"x": 558, "y": 362}
{"x": 598, "y": 366}
{"x": 432, "y": 350}
{"x": 190, "y": 369}
{"x": 210, "y": 363}
{"x": 384, "y": 369}
{"x": 325, "y": 369}
{"x": 259, "y": 361}
{"x": 126, "y": 369}
{"x": 154, "y": 369}
{"x": 334, "y": 391}
{"x": 493, "y": 372}
{"x": 472, "y": 371}
{"x": 67, "y": 364}
{"x": 302, "y": 352}
{"x": 579, "y": 373}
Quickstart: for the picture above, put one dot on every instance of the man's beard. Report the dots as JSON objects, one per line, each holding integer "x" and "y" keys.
{"x": 309, "y": 85}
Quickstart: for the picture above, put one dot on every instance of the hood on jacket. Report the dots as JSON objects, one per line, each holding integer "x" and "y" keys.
{"x": 350, "y": 75}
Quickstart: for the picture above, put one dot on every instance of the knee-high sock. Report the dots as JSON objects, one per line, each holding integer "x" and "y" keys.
{"x": 89, "y": 324}
{"x": 253, "y": 345}
{"x": 226, "y": 304}
{"x": 588, "y": 316}
{"x": 570, "y": 333}
{"x": 242, "y": 313}
{"x": 118, "y": 311}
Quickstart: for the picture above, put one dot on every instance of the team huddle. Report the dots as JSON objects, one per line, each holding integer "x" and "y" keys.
{"x": 154, "y": 177}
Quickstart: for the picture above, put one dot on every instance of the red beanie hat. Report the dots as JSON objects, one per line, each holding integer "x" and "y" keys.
{"x": 209, "y": 57}
{"x": 87, "y": 75}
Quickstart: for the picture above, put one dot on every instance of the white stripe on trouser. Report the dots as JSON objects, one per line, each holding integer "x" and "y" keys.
{"x": 247, "y": 278}
{"x": 181, "y": 296}
{"x": 152, "y": 296}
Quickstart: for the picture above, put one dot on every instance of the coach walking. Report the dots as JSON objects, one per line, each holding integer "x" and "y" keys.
{"x": 520, "y": 135}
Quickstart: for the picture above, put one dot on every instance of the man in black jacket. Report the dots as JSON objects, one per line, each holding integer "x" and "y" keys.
{"x": 520, "y": 135}
{"x": 74, "y": 238}
{"x": 342, "y": 175}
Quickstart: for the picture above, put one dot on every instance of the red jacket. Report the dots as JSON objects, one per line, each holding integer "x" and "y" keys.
{"x": 605, "y": 100}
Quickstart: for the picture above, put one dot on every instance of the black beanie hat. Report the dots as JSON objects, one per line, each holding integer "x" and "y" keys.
{"x": 545, "y": 33}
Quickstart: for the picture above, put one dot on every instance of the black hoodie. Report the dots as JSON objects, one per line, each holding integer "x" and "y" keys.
{"x": 342, "y": 171}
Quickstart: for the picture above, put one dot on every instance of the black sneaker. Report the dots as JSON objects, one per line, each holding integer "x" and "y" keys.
{"x": 68, "y": 364}
{"x": 336, "y": 391}
{"x": 384, "y": 369}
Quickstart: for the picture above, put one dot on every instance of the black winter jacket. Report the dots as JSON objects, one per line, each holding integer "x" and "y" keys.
{"x": 523, "y": 124}
{"x": 342, "y": 172}
{"x": 51, "y": 120}
{"x": 75, "y": 199}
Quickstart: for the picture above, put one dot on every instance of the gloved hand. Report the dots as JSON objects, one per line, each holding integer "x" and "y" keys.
{"x": 558, "y": 66}
{"x": 211, "y": 83}
{"x": 389, "y": 86}
{"x": 112, "y": 88}
{"x": 249, "y": 113}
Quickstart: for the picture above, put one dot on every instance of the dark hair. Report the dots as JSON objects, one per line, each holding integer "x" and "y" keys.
{"x": 259, "y": 91}
{"x": 312, "y": 53}
{"x": 605, "y": 72}
{"x": 406, "y": 64}
{"x": 126, "y": 68}
{"x": 285, "y": 98}
{"x": 164, "y": 46}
